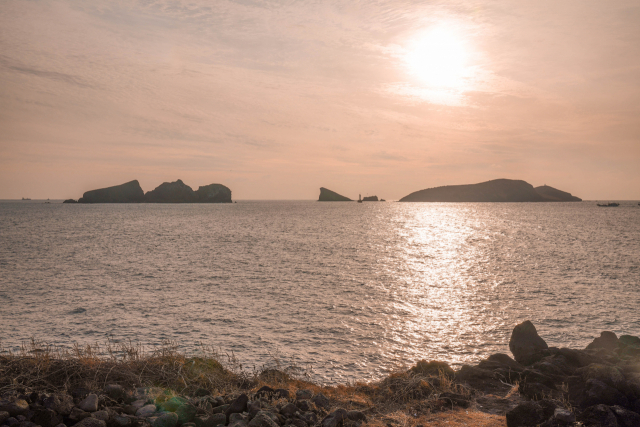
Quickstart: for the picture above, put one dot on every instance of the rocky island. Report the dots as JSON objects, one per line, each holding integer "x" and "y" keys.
{"x": 167, "y": 192}
{"x": 327, "y": 195}
{"x": 370, "y": 199}
{"x": 497, "y": 190}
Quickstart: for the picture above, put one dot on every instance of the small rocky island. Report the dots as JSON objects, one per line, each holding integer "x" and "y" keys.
{"x": 327, "y": 195}
{"x": 370, "y": 199}
{"x": 167, "y": 192}
{"x": 497, "y": 190}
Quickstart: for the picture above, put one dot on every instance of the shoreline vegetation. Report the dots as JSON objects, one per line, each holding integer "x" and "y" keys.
{"x": 120, "y": 385}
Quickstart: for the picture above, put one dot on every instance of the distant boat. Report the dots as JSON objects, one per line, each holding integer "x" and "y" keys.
{"x": 26, "y": 198}
{"x": 609, "y": 205}
{"x": 359, "y": 198}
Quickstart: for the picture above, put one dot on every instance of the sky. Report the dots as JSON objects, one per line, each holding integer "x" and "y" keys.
{"x": 276, "y": 99}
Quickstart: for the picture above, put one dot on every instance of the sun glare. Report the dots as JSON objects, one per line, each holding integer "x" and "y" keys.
{"x": 438, "y": 58}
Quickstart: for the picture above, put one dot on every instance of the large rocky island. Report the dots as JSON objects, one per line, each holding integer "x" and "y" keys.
{"x": 497, "y": 190}
{"x": 167, "y": 192}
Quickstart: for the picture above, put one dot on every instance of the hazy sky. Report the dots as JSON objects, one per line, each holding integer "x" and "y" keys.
{"x": 278, "y": 98}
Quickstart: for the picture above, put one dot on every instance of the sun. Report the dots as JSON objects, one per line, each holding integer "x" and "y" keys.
{"x": 438, "y": 58}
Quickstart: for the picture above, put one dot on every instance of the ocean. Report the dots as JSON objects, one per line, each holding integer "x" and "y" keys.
{"x": 345, "y": 291}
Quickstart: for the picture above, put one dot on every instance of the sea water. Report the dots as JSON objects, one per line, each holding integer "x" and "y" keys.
{"x": 347, "y": 291}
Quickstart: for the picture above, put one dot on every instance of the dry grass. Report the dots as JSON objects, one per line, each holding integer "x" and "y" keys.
{"x": 405, "y": 398}
{"x": 48, "y": 368}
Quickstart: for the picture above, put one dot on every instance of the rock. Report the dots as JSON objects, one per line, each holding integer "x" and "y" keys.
{"x": 310, "y": 418}
{"x": 548, "y": 407}
{"x": 11, "y": 421}
{"x": 70, "y": 201}
{"x": 599, "y": 415}
{"x": 497, "y": 190}
{"x": 577, "y": 358}
{"x": 625, "y": 417}
{"x": 304, "y": 394}
{"x": 289, "y": 410}
{"x": 609, "y": 375}
{"x": 238, "y": 405}
{"x": 215, "y": 420}
{"x": 356, "y": 416}
{"x": 130, "y": 192}
{"x": 281, "y": 393}
{"x": 220, "y": 409}
{"x": 295, "y": 422}
{"x": 500, "y": 360}
{"x": 564, "y": 416}
{"x": 321, "y": 401}
{"x": 236, "y": 417}
{"x": 186, "y": 413}
{"x": 91, "y": 422}
{"x": 168, "y": 419}
{"x": 525, "y": 344}
{"x": 481, "y": 379}
{"x": 597, "y": 392}
{"x": 238, "y": 423}
{"x": 171, "y": 192}
{"x": 432, "y": 368}
{"x": 335, "y": 418}
{"x": 304, "y": 405}
{"x": 552, "y": 371}
{"x": 101, "y": 415}
{"x": 4, "y": 415}
{"x": 370, "y": 199}
{"x": 172, "y": 404}
{"x": 120, "y": 421}
{"x": 607, "y": 340}
{"x": 130, "y": 409}
{"x": 626, "y": 340}
{"x": 46, "y": 418}
{"x": 89, "y": 403}
{"x": 525, "y": 414}
{"x": 202, "y": 392}
{"x": 531, "y": 375}
{"x": 213, "y": 193}
{"x": 61, "y": 403}
{"x": 146, "y": 411}
{"x": 15, "y": 408}
{"x": 78, "y": 414}
{"x": 262, "y": 419}
{"x": 115, "y": 391}
{"x": 327, "y": 195}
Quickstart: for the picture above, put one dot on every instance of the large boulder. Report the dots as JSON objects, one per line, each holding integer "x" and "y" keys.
{"x": 171, "y": 192}
{"x": 130, "y": 192}
{"x": 607, "y": 340}
{"x": 526, "y": 414}
{"x": 526, "y": 345}
{"x": 213, "y": 193}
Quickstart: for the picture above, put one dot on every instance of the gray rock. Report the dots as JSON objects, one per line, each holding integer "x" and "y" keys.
{"x": 525, "y": 344}
{"x": 262, "y": 419}
{"x": 304, "y": 405}
{"x": 11, "y": 421}
{"x": 89, "y": 403}
{"x": 289, "y": 410}
{"x": 78, "y": 414}
{"x": 146, "y": 411}
{"x": 525, "y": 415}
{"x": 115, "y": 391}
{"x": 321, "y": 401}
{"x": 281, "y": 393}
{"x": 220, "y": 409}
{"x": 304, "y": 394}
{"x": 186, "y": 413}
{"x": 598, "y": 392}
{"x": 335, "y": 419}
{"x": 130, "y": 409}
{"x": 91, "y": 422}
{"x": 215, "y": 420}
{"x": 237, "y": 417}
{"x": 61, "y": 403}
{"x": 139, "y": 403}
{"x": 625, "y": 417}
{"x": 535, "y": 391}
{"x": 238, "y": 423}
{"x": 607, "y": 340}
{"x": 61, "y": 425}
{"x": 15, "y": 408}
{"x": 297, "y": 422}
{"x": 238, "y": 405}
{"x": 310, "y": 418}
{"x": 599, "y": 415}
{"x": 356, "y": 416}
{"x": 4, "y": 415}
{"x": 101, "y": 415}
{"x": 120, "y": 421}
{"x": 167, "y": 419}
{"x": 46, "y": 417}
{"x": 564, "y": 415}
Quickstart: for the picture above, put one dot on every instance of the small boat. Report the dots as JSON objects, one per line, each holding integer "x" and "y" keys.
{"x": 609, "y": 205}
{"x": 359, "y": 198}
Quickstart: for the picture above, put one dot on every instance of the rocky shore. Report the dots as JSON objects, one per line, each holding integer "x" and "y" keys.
{"x": 539, "y": 386}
